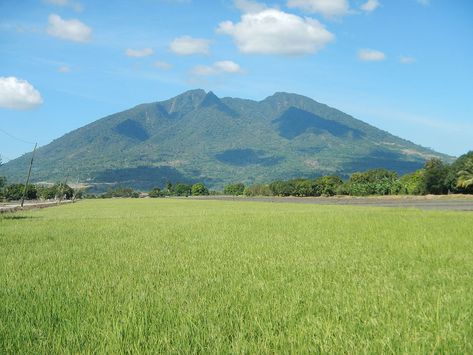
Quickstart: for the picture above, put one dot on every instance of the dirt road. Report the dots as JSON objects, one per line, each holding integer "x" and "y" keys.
{"x": 451, "y": 203}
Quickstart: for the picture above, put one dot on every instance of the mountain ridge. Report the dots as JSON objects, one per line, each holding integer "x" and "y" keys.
{"x": 197, "y": 136}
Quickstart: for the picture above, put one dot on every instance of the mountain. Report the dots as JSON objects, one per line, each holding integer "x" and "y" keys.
{"x": 197, "y": 136}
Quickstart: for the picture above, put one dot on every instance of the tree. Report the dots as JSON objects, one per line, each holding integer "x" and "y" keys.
{"x": 465, "y": 176}
{"x": 413, "y": 184}
{"x": 155, "y": 192}
{"x": 182, "y": 190}
{"x": 435, "y": 177}
{"x": 257, "y": 190}
{"x": 457, "y": 176}
{"x": 15, "y": 192}
{"x": 282, "y": 188}
{"x": 63, "y": 191}
{"x": 327, "y": 185}
{"x": 234, "y": 189}
{"x": 372, "y": 182}
{"x": 3, "y": 184}
{"x": 199, "y": 189}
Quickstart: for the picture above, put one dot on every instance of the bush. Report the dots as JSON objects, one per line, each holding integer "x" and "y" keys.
{"x": 199, "y": 189}
{"x": 234, "y": 189}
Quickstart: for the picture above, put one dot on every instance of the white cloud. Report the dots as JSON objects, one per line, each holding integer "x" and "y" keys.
{"x": 145, "y": 52}
{"x": 72, "y": 30}
{"x": 276, "y": 32}
{"x": 371, "y": 55}
{"x": 248, "y": 6}
{"x": 225, "y": 66}
{"x": 64, "y": 69}
{"x": 18, "y": 94}
{"x": 187, "y": 45}
{"x": 162, "y": 65}
{"x": 327, "y": 8}
{"x": 405, "y": 59}
{"x": 77, "y": 6}
{"x": 370, "y": 5}
{"x": 424, "y": 2}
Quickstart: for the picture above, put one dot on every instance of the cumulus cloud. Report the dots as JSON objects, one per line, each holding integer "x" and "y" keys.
{"x": 64, "y": 69}
{"x": 225, "y": 66}
{"x": 72, "y": 30}
{"x": 145, "y": 52}
{"x": 406, "y": 59}
{"x": 248, "y": 6}
{"x": 370, "y": 5}
{"x": 276, "y": 32}
{"x": 371, "y": 55}
{"x": 187, "y": 45}
{"x": 18, "y": 94}
{"x": 327, "y": 8}
{"x": 77, "y": 6}
{"x": 162, "y": 65}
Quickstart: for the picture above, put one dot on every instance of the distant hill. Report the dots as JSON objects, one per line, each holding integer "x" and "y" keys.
{"x": 197, "y": 136}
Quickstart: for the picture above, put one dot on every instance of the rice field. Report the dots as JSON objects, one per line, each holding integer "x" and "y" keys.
{"x": 189, "y": 276}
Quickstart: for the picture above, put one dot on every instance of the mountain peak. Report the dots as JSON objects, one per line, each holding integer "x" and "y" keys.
{"x": 185, "y": 102}
{"x": 210, "y": 99}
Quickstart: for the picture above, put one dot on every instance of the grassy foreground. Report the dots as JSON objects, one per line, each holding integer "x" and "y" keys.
{"x": 212, "y": 276}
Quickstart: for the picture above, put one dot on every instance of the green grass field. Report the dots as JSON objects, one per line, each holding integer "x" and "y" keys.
{"x": 189, "y": 276}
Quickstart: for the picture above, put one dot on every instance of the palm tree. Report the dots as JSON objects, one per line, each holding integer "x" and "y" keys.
{"x": 465, "y": 176}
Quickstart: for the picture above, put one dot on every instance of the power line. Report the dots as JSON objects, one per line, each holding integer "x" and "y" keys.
{"x": 16, "y": 138}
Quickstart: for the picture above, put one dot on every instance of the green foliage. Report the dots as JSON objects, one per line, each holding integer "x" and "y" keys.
{"x": 257, "y": 190}
{"x": 435, "y": 177}
{"x": 218, "y": 277}
{"x": 327, "y": 185}
{"x": 282, "y": 188}
{"x": 458, "y": 174}
{"x": 182, "y": 190}
{"x": 234, "y": 189}
{"x": 56, "y": 191}
{"x": 156, "y": 192}
{"x": 465, "y": 176}
{"x": 413, "y": 184}
{"x": 14, "y": 192}
{"x": 199, "y": 189}
{"x": 372, "y": 182}
{"x": 3, "y": 184}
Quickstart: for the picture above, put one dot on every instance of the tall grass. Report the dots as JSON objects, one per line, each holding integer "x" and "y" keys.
{"x": 166, "y": 275}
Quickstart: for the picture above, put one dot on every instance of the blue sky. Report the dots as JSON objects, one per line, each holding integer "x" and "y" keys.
{"x": 404, "y": 66}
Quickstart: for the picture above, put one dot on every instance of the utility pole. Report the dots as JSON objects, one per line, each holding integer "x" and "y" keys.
{"x": 28, "y": 178}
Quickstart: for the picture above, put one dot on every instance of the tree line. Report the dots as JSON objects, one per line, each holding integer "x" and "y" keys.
{"x": 436, "y": 177}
